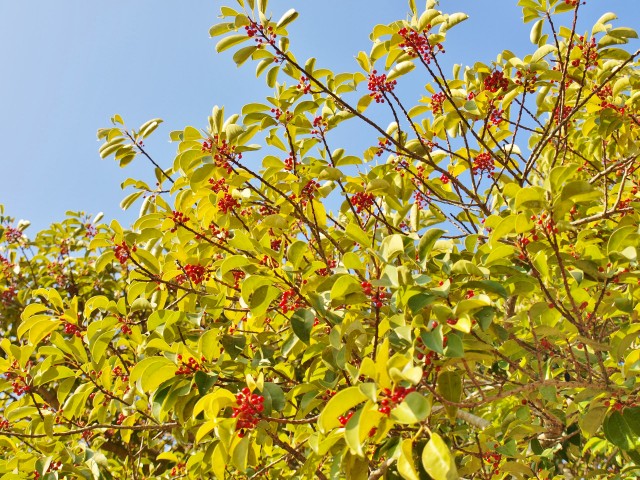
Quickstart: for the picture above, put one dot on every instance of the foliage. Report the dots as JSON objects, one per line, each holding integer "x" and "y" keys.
{"x": 460, "y": 299}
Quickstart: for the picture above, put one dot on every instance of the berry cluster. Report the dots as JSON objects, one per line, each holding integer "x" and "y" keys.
{"x": 189, "y": 367}
{"x": 260, "y": 33}
{"x": 237, "y": 276}
{"x": 324, "y": 272}
{"x": 227, "y": 203}
{"x": 71, "y": 329}
{"x": 219, "y": 232}
{"x": 178, "y": 470}
{"x": 417, "y": 44}
{"x": 483, "y": 163}
{"x": 290, "y": 301}
{"x": 12, "y": 235}
{"x": 178, "y": 218}
{"x": 494, "y": 459}
{"x": 219, "y": 185}
{"x": 308, "y": 192}
{"x": 197, "y": 273}
{"x": 53, "y": 467}
{"x": 250, "y": 406}
{"x": 279, "y": 115}
{"x": 123, "y": 252}
{"x": 343, "y": 419}
{"x": 290, "y": 163}
{"x": 4, "y": 423}
{"x": 526, "y": 79}
{"x": 20, "y": 386}
{"x": 437, "y": 99}
{"x": 390, "y": 399}
{"x": 223, "y": 152}
{"x": 561, "y": 113}
{"x": 382, "y": 146}
{"x": 118, "y": 372}
{"x": 496, "y": 81}
{"x": 328, "y": 394}
{"x": 376, "y": 295}
{"x": 124, "y": 325}
{"x": 496, "y": 116}
{"x": 589, "y": 53}
{"x": 378, "y": 84}
{"x": 304, "y": 86}
{"x": 362, "y": 201}
{"x": 319, "y": 126}
{"x": 8, "y": 295}
{"x": 444, "y": 178}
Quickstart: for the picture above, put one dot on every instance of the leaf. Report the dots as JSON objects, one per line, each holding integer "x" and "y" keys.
{"x": 617, "y": 431}
{"x": 152, "y": 371}
{"x": 413, "y": 409}
{"x": 401, "y": 69}
{"x": 406, "y": 466}
{"x": 542, "y": 52}
{"x": 437, "y": 459}
{"x": 427, "y": 241}
{"x": 536, "y": 31}
{"x": 288, "y": 17}
{"x": 302, "y": 324}
{"x": 230, "y": 41}
{"x": 450, "y": 387}
{"x": 341, "y": 402}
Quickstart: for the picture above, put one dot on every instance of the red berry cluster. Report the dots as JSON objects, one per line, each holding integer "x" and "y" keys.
{"x": 219, "y": 185}
{"x": 178, "y": 218}
{"x": 71, "y": 329}
{"x": 124, "y": 325}
{"x": 496, "y": 116}
{"x": 382, "y": 146}
{"x": 237, "y": 276}
{"x": 343, "y": 419}
{"x": 227, "y": 203}
{"x": 8, "y": 295}
{"x": 219, "y": 233}
{"x": 4, "y": 423}
{"x": 197, "y": 273}
{"x": 260, "y": 33}
{"x": 319, "y": 126}
{"x": 223, "y": 152}
{"x": 437, "y": 99}
{"x": 12, "y": 235}
{"x": 561, "y": 113}
{"x": 290, "y": 163}
{"x": 328, "y": 394}
{"x": 362, "y": 201}
{"x": 189, "y": 367}
{"x": 123, "y": 252}
{"x": 483, "y": 163}
{"x": 323, "y": 272}
{"x": 118, "y": 372}
{"x": 526, "y": 79}
{"x": 376, "y": 295}
{"x": 178, "y": 470}
{"x": 250, "y": 406}
{"x": 494, "y": 459}
{"x": 589, "y": 53}
{"x": 417, "y": 44}
{"x": 304, "y": 86}
{"x": 444, "y": 178}
{"x": 308, "y": 191}
{"x": 290, "y": 301}
{"x": 281, "y": 116}
{"x": 378, "y": 84}
{"x": 390, "y": 399}
{"x": 496, "y": 81}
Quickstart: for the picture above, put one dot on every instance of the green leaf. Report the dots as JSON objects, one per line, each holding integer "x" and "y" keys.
{"x": 230, "y": 41}
{"x": 437, "y": 459}
{"x": 406, "y": 466}
{"x": 536, "y": 31}
{"x": 341, "y": 402}
{"x": 450, "y": 387}
{"x": 288, "y": 17}
{"x": 233, "y": 344}
{"x": 413, "y": 409}
{"x": 302, "y": 323}
{"x": 151, "y": 372}
{"x": 618, "y": 432}
{"x": 427, "y": 241}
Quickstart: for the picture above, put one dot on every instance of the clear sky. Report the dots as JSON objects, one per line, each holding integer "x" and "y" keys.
{"x": 68, "y": 66}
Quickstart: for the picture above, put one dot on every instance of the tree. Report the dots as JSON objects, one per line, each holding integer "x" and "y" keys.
{"x": 459, "y": 300}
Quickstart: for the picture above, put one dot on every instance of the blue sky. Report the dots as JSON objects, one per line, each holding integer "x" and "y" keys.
{"x": 68, "y": 66}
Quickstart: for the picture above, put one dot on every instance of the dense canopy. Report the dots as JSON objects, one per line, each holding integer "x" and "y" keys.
{"x": 459, "y": 300}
